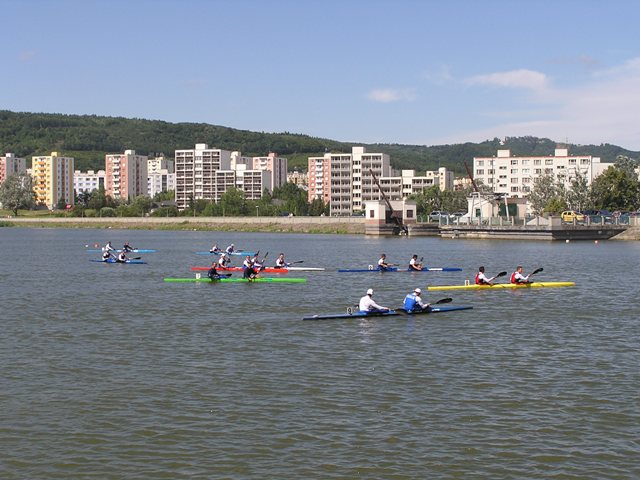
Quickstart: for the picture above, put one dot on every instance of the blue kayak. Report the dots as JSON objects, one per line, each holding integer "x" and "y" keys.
{"x": 111, "y": 260}
{"x": 396, "y": 269}
{"x": 220, "y": 252}
{"x": 135, "y": 250}
{"x": 390, "y": 313}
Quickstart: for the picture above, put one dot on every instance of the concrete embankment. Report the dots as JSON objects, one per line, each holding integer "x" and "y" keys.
{"x": 631, "y": 233}
{"x": 354, "y": 225}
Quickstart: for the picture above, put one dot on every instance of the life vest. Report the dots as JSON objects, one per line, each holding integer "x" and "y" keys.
{"x": 478, "y": 279}
{"x": 409, "y": 302}
{"x": 513, "y": 278}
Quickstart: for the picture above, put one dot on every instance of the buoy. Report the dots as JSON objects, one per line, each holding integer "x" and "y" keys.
{"x": 567, "y": 240}
{"x": 596, "y": 242}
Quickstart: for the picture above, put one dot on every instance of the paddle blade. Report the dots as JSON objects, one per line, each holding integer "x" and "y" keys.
{"x": 443, "y": 300}
{"x": 299, "y": 261}
{"x": 501, "y": 274}
{"x": 537, "y": 270}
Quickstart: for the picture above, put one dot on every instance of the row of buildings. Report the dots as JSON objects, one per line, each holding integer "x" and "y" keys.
{"x": 343, "y": 180}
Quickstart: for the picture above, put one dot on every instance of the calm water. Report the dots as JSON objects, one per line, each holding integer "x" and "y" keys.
{"x": 108, "y": 372}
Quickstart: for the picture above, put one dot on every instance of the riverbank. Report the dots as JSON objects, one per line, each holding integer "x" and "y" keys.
{"x": 328, "y": 225}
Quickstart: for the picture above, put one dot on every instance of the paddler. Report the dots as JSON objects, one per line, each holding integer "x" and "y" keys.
{"x": 223, "y": 260}
{"x": 230, "y": 249}
{"x": 413, "y": 302}
{"x": 106, "y": 256}
{"x": 382, "y": 263}
{"x": 518, "y": 277}
{"x": 415, "y": 264}
{"x": 126, "y": 247}
{"x": 213, "y": 272}
{"x": 122, "y": 258}
{"x": 368, "y": 305}
{"x": 108, "y": 248}
{"x": 215, "y": 249}
{"x": 481, "y": 278}
{"x": 281, "y": 262}
{"x": 250, "y": 272}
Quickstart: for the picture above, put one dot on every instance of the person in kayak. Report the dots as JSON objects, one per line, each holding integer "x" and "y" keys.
{"x": 215, "y": 249}
{"x": 230, "y": 249}
{"x": 382, "y": 263}
{"x": 223, "y": 261}
{"x": 518, "y": 277}
{"x": 108, "y": 248}
{"x": 127, "y": 248}
{"x": 250, "y": 272}
{"x": 213, "y": 271}
{"x": 247, "y": 263}
{"x": 481, "y": 278}
{"x": 106, "y": 256}
{"x": 368, "y": 305}
{"x": 413, "y": 302}
{"x": 258, "y": 265}
{"x": 122, "y": 258}
{"x": 415, "y": 264}
{"x": 281, "y": 262}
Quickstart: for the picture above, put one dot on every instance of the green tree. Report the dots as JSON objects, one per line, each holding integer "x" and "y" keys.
{"x": 616, "y": 189}
{"x": 17, "y": 192}
{"x": 233, "y": 202}
{"x": 547, "y": 195}
{"x": 579, "y": 195}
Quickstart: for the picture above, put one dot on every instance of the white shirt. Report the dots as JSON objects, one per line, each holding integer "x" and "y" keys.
{"x": 482, "y": 278}
{"x": 367, "y": 304}
{"x": 519, "y": 278}
{"x": 382, "y": 261}
{"x": 280, "y": 263}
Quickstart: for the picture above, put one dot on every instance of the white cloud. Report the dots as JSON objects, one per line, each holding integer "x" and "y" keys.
{"x": 512, "y": 79}
{"x": 388, "y": 95}
{"x": 604, "y": 109}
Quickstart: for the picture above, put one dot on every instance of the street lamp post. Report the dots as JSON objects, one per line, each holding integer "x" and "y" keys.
{"x": 257, "y": 209}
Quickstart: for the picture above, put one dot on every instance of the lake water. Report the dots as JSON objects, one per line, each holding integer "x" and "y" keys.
{"x": 108, "y": 372}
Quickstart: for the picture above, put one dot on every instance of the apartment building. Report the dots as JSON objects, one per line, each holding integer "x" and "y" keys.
{"x": 202, "y": 173}
{"x": 126, "y": 175}
{"x": 253, "y": 182}
{"x": 52, "y": 180}
{"x": 88, "y": 181}
{"x": 515, "y": 176}
{"x": 158, "y": 164}
{"x": 275, "y": 165}
{"x": 11, "y": 165}
{"x": 345, "y": 180}
{"x": 408, "y": 183}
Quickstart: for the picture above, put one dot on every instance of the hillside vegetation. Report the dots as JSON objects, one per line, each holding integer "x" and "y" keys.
{"x": 88, "y": 138}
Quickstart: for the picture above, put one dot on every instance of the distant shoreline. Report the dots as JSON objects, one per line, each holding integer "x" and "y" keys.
{"x": 326, "y": 225}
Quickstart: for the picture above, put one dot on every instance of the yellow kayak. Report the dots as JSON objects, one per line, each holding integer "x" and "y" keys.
{"x": 473, "y": 286}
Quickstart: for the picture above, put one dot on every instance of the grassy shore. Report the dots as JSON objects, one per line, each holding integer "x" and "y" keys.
{"x": 323, "y": 225}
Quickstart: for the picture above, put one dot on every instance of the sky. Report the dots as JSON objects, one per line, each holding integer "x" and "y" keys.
{"x": 362, "y": 71}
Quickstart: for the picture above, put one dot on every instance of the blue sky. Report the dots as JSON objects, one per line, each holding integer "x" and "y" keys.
{"x": 412, "y": 72}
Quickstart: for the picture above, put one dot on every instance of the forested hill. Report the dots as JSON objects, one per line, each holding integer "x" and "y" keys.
{"x": 88, "y": 138}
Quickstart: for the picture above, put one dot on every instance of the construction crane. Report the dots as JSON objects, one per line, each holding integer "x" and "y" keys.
{"x": 398, "y": 221}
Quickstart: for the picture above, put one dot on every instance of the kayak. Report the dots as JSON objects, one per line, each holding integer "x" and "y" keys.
{"x": 111, "y": 260}
{"x": 473, "y": 286}
{"x": 220, "y": 252}
{"x": 237, "y": 280}
{"x": 305, "y": 269}
{"x": 241, "y": 269}
{"x": 390, "y": 313}
{"x": 135, "y": 250}
{"x": 396, "y": 269}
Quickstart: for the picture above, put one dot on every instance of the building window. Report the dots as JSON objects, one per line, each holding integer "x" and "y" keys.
{"x": 514, "y": 180}
{"x": 481, "y": 163}
{"x": 525, "y": 162}
{"x": 372, "y": 213}
{"x": 514, "y": 189}
{"x": 514, "y": 170}
{"x": 538, "y": 171}
{"x": 548, "y": 161}
{"x": 537, "y": 162}
{"x": 479, "y": 172}
{"x": 514, "y": 162}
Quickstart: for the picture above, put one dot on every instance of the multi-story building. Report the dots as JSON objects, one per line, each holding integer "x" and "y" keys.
{"x": 253, "y": 182}
{"x": 515, "y": 176}
{"x": 52, "y": 180}
{"x": 88, "y": 181}
{"x": 126, "y": 175}
{"x": 345, "y": 180}
{"x": 275, "y": 165}
{"x": 11, "y": 165}
{"x": 157, "y": 164}
{"x": 408, "y": 183}
{"x": 298, "y": 178}
{"x": 202, "y": 173}
{"x": 160, "y": 181}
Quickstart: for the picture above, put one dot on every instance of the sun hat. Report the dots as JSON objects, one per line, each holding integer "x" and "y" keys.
{"x": 417, "y": 290}
{"x": 370, "y": 291}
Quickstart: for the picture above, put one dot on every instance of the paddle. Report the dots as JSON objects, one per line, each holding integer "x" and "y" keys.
{"x": 501, "y": 274}
{"x": 537, "y": 270}
{"x": 402, "y": 311}
{"x": 299, "y": 261}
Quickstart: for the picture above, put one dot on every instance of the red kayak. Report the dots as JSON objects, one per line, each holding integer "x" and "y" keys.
{"x": 240, "y": 269}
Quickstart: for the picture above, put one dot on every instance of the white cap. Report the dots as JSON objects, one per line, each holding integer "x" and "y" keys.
{"x": 370, "y": 291}
{"x": 417, "y": 290}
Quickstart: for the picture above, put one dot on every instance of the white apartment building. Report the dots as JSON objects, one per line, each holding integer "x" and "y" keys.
{"x": 253, "y": 182}
{"x": 159, "y": 181}
{"x": 515, "y": 176}
{"x": 345, "y": 180}
{"x": 11, "y": 165}
{"x": 408, "y": 183}
{"x": 202, "y": 173}
{"x": 126, "y": 175}
{"x": 88, "y": 181}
